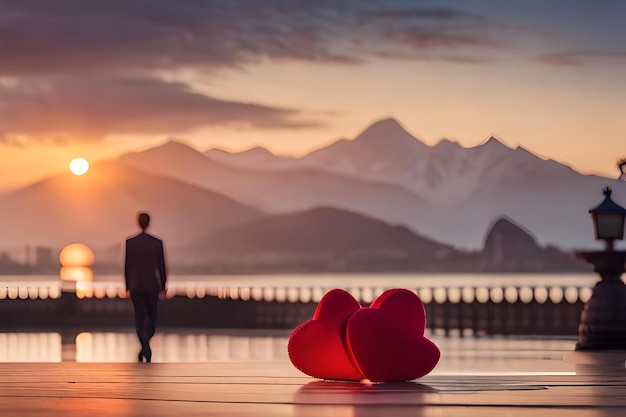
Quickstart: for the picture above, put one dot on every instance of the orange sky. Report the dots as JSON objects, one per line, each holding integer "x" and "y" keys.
{"x": 292, "y": 78}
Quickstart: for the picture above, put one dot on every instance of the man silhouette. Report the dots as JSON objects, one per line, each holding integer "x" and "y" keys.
{"x": 145, "y": 276}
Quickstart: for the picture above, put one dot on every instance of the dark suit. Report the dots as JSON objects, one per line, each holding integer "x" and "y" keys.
{"x": 145, "y": 275}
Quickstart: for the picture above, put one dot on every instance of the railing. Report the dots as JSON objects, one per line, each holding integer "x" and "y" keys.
{"x": 365, "y": 295}
{"x": 451, "y": 310}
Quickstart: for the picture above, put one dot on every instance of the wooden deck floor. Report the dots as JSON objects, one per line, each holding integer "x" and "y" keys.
{"x": 475, "y": 377}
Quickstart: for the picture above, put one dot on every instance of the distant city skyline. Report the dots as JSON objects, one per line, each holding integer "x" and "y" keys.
{"x": 100, "y": 78}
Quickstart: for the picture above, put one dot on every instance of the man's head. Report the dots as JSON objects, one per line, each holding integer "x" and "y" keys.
{"x": 143, "y": 219}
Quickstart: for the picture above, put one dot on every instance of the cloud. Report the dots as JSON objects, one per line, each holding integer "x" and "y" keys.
{"x": 427, "y": 28}
{"x": 75, "y": 70}
{"x": 70, "y": 36}
{"x": 438, "y": 13}
{"x": 424, "y": 40}
{"x": 70, "y": 109}
{"x": 578, "y": 58}
{"x": 457, "y": 59}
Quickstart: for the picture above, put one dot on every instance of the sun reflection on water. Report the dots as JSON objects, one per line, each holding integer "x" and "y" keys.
{"x": 30, "y": 347}
{"x": 187, "y": 347}
{"x": 224, "y": 346}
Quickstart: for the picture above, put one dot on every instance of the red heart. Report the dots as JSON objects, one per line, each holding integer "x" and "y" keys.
{"x": 387, "y": 340}
{"x": 317, "y": 347}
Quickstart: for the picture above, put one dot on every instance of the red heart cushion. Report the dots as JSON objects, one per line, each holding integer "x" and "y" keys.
{"x": 317, "y": 347}
{"x": 387, "y": 340}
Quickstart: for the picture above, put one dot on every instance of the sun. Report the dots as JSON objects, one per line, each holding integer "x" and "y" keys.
{"x": 76, "y": 254}
{"x": 79, "y": 166}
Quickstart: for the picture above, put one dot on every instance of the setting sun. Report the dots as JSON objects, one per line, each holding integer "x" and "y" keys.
{"x": 76, "y": 254}
{"x": 79, "y": 166}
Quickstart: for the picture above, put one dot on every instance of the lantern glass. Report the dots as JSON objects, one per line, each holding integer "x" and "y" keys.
{"x": 609, "y": 225}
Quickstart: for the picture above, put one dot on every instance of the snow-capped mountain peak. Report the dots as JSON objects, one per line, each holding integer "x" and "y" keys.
{"x": 493, "y": 141}
{"x": 385, "y": 148}
{"x": 387, "y": 132}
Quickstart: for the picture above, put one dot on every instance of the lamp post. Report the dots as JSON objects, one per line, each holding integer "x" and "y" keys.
{"x": 603, "y": 320}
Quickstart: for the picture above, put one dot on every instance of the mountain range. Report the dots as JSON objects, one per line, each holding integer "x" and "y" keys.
{"x": 382, "y": 198}
{"x": 463, "y": 189}
{"x": 285, "y": 190}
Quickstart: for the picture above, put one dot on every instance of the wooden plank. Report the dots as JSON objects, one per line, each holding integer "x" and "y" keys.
{"x": 485, "y": 377}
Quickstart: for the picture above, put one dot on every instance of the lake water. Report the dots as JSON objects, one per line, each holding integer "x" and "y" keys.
{"x": 170, "y": 345}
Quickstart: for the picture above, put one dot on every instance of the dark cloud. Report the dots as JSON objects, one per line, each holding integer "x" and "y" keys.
{"x": 81, "y": 70}
{"x": 61, "y": 36}
{"x": 577, "y": 58}
{"x": 104, "y": 35}
{"x": 458, "y": 59}
{"x": 438, "y": 13}
{"x": 420, "y": 40}
{"x": 64, "y": 109}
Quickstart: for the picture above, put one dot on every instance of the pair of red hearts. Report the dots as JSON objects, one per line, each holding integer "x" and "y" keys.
{"x": 383, "y": 343}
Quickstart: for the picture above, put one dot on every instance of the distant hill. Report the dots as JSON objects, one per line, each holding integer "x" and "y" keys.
{"x": 319, "y": 239}
{"x": 320, "y": 230}
{"x": 509, "y": 247}
{"x": 328, "y": 239}
{"x": 100, "y": 207}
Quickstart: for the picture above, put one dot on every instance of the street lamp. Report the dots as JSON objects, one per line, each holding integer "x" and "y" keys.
{"x": 603, "y": 320}
{"x": 608, "y": 220}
